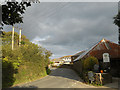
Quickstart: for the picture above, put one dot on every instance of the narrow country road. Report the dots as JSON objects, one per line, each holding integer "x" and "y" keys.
{"x": 59, "y": 78}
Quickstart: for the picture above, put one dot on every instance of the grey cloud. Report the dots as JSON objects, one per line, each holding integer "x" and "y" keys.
{"x": 71, "y": 27}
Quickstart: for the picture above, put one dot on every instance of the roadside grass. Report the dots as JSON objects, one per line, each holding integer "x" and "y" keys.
{"x": 30, "y": 72}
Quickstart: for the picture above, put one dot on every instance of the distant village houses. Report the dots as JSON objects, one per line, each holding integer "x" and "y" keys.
{"x": 66, "y": 59}
{"x": 57, "y": 62}
{"x": 73, "y": 57}
{"x": 62, "y": 60}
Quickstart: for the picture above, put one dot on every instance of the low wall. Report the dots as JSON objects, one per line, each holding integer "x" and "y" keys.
{"x": 69, "y": 66}
{"x": 77, "y": 66}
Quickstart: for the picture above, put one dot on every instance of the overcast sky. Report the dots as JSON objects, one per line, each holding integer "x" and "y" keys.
{"x": 67, "y": 28}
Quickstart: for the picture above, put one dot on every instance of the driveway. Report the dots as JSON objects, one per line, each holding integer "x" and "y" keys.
{"x": 59, "y": 78}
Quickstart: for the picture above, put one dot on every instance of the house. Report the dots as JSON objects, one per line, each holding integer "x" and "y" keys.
{"x": 57, "y": 62}
{"x": 73, "y": 57}
{"x": 104, "y": 46}
{"x": 66, "y": 59}
{"x": 97, "y": 50}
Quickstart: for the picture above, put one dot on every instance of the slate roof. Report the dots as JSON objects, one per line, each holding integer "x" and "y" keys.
{"x": 101, "y": 47}
{"x": 56, "y": 60}
{"x": 66, "y": 56}
{"x": 79, "y": 53}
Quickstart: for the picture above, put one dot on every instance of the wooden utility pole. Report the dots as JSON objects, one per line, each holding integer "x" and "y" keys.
{"x": 20, "y": 37}
{"x": 13, "y": 38}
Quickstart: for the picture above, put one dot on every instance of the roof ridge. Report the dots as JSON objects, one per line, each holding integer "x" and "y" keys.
{"x": 93, "y": 46}
{"x": 79, "y": 52}
{"x": 110, "y": 41}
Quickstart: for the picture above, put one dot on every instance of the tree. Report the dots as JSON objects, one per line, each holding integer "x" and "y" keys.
{"x": 12, "y": 12}
{"x": 117, "y": 22}
{"x": 90, "y": 62}
{"x": 6, "y": 38}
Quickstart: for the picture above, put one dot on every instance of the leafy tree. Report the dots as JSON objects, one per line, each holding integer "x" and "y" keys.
{"x": 12, "y": 12}
{"x": 46, "y": 57}
{"x": 7, "y": 38}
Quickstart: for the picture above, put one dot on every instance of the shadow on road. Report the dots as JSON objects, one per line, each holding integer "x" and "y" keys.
{"x": 65, "y": 73}
{"x": 25, "y": 87}
{"x": 21, "y": 88}
{"x": 71, "y": 74}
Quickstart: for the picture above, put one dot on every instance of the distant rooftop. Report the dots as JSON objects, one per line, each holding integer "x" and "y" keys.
{"x": 65, "y": 56}
{"x": 79, "y": 53}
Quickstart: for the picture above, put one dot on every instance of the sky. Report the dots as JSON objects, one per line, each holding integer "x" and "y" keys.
{"x": 66, "y": 28}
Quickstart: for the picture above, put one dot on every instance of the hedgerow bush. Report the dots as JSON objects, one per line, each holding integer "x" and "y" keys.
{"x": 88, "y": 63}
{"x": 23, "y": 64}
{"x": 7, "y": 73}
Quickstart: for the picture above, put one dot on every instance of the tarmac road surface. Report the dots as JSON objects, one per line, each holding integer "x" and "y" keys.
{"x": 59, "y": 78}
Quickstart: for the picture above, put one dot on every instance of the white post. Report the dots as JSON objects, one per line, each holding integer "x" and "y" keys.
{"x": 13, "y": 38}
{"x": 20, "y": 37}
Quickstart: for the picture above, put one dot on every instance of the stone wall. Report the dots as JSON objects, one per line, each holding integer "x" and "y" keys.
{"x": 69, "y": 66}
{"x": 77, "y": 66}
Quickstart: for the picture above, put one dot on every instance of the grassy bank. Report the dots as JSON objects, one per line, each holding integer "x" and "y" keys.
{"x": 29, "y": 72}
{"x": 24, "y": 63}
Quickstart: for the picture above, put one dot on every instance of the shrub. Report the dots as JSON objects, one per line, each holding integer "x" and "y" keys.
{"x": 48, "y": 71}
{"x": 89, "y": 63}
{"x": 8, "y": 71}
{"x": 22, "y": 42}
{"x": 51, "y": 62}
{"x": 24, "y": 63}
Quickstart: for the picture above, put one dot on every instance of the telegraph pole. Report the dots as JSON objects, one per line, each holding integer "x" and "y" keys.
{"x": 20, "y": 37}
{"x": 13, "y": 38}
